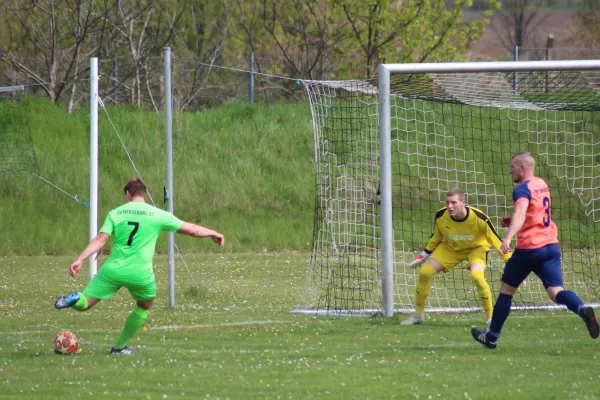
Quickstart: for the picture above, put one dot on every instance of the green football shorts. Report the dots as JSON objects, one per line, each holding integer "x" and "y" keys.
{"x": 108, "y": 282}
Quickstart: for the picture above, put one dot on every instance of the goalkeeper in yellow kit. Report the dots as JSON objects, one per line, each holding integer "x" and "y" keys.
{"x": 460, "y": 233}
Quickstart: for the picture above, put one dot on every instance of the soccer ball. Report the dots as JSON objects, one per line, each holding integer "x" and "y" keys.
{"x": 65, "y": 342}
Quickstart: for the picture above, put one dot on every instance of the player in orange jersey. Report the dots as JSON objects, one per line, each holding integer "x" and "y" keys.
{"x": 536, "y": 251}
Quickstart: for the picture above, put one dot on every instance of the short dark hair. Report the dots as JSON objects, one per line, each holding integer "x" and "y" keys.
{"x": 135, "y": 186}
{"x": 526, "y": 158}
{"x": 456, "y": 192}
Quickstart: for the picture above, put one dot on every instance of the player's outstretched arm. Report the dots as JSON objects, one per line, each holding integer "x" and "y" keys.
{"x": 95, "y": 245}
{"x": 198, "y": 231}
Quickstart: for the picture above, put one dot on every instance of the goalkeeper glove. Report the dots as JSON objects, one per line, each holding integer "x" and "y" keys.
{"x": 418, "y": 259}
{"x": 507, "y": 256}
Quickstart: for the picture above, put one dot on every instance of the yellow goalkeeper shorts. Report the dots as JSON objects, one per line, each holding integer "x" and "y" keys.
{"x": 449, "y": 258}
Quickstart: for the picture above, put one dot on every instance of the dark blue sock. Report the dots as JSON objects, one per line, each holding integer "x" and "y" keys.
{"x": 569, "y": 299}
{"x": 501, "y": 311}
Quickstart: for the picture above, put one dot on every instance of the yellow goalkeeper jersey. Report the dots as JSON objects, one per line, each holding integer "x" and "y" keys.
{"x": 475, "y": 230}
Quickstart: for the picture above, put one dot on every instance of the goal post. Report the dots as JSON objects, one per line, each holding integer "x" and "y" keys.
{"x": 94, "y": 151}
{"x": 385, "y": 193}
{"x": 387, "y": 150}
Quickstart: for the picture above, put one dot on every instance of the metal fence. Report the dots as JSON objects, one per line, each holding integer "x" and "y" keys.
{"x": 198, "y": 83}
{"x": 556, "y": 53}
{"x": 565, "y": 53}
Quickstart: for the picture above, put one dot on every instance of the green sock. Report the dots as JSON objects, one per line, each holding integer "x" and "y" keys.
{"x": 82, "y": 303}
{"x": 133, "y": 323}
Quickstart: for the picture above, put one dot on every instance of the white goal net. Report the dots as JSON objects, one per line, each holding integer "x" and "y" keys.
{"x": 448, "y": 130}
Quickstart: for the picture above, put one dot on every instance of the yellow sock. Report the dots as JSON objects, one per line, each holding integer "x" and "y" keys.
{"x": 483, "y": 289}
{"x": 426, "y": 273}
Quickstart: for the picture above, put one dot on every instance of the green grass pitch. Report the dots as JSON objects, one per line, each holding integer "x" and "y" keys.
{"x": 235, "y": 338}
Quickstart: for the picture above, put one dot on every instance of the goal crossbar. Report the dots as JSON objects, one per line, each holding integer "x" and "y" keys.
{"x": 496, "y": 66}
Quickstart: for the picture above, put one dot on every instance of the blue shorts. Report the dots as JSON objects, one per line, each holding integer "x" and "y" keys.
{"x": 544, "y": 262}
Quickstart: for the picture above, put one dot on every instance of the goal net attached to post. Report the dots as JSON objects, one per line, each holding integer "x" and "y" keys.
{"x": 388, "y": 150}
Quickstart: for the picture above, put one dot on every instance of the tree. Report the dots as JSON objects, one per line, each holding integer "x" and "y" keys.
{"x": 519, "y": 20}
{"x": 144, "y": 28}
{"x": 311, "y": 35}
{"x": 306, "y": 33}
{"x": 207, "y": 25}
{"x": 50, "y": 40}
{"x": 584, "y": 31}
{"x": 47, "y": 39}
{"x": 410, "y": 30}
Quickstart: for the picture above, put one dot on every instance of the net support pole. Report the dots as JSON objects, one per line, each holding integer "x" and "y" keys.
{"x": 549, "y": 45}
{"x": 169, "y": 195}
{"x": 385, "y": 181}
{"x": 251, "y": 87}
{"x": 516, "y": 74}
{"x": 93, "y": 159}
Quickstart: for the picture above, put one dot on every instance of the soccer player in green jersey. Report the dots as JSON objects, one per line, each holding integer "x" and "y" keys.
{"x": 135, "y": 227}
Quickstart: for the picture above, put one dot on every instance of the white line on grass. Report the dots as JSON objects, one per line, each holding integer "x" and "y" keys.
{"x": 467, "y": 343}
{"x": 239, "y": 323}
{"x": 166, "y": 327}
{"x": 298, "y": 350}
{"x": 199, "y": 326}
{"x": 172, "y": 349}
